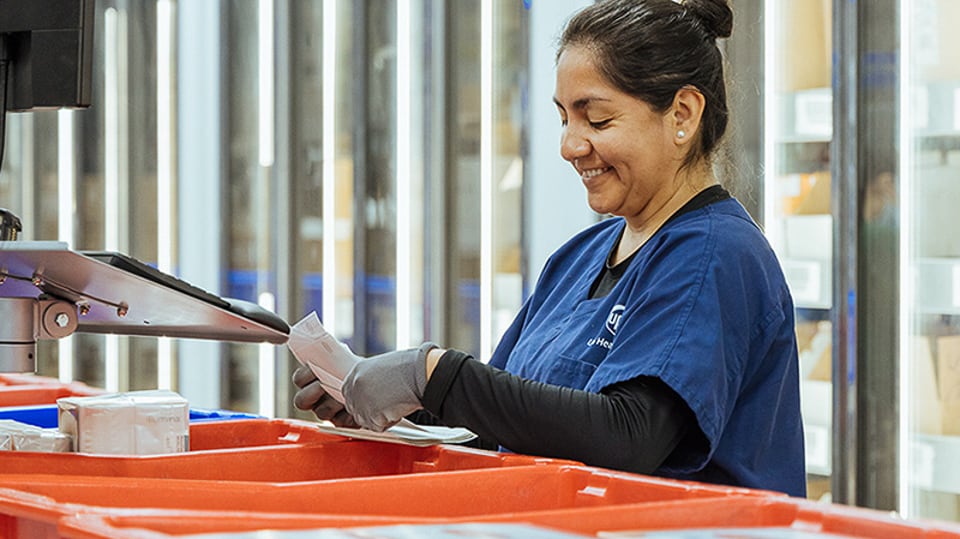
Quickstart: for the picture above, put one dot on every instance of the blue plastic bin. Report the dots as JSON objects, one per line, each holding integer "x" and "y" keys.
{"x": 204, "y": 414}
{"x": 45, "y": 415}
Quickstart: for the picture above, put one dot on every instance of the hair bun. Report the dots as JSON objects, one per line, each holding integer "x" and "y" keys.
{"x": 716, "y": 15}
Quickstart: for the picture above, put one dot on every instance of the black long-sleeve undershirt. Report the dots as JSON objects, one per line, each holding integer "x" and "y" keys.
{"x": 632, "y": 425}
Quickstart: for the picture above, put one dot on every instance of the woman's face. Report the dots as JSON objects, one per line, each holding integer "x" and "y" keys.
{"x": 623, "y": 150}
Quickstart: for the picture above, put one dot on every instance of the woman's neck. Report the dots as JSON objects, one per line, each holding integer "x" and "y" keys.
{"x": 639, "y": 230}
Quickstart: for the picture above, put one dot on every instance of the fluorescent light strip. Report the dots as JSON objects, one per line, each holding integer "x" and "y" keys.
{"x": 486, "y": 179}
{"x": 29, "y": 182}
{"x": 404, "y": 227}
{"x": 164, "y": 135}
{"x": 111, "y": 352}
{"x": 907, "y": 293}
{"x": 329, "y": 151}
{"x": 165, "y": 217}
{"x": 27, "y": 185}
{"x": 65, "y": 359}
{"x": 111, "y": 173}
{"x": 66, "y": 163}
{"x": 267, "y": 355}
{"x": 111, "y": 131}
{"x": 266, "y": 76}
{"x": 266, "y": 352}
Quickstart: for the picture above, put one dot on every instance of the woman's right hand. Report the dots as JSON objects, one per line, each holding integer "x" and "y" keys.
{"x": 312, "y": 396}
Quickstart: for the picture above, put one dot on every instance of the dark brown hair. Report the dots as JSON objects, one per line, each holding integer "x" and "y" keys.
{"x": 652, "y": 48}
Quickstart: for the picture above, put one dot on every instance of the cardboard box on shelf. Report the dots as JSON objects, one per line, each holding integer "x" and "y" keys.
{"x": 805, "y": 36}
{"x": 927, "y": 409}
{"x": 817, "y": 199}
{"x": 948, "y": 378}
{"x": 823, "y": 368}
{"x": 805, "y": 193}
{"x": 806, "y": 330}
{"x": 813, "y": 341}
{"x": 793, "y": 188}
{"x": 951, "y": 417}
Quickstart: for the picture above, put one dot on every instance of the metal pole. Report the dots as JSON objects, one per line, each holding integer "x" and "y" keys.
{"x": 844, "y": 166}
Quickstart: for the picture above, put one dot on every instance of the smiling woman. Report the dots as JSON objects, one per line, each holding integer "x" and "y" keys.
{"x": 630, "y": 156}
{"x": 658, "y": 341}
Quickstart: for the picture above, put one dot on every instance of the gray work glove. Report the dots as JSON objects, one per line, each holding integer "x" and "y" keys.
{"x": 312, "y": 397}
{"x": 382, "y": 390}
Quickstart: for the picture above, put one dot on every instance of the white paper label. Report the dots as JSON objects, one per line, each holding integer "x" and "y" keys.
{"x": 817, "y": 447}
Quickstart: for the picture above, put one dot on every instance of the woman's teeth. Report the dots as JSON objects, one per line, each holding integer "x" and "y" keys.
{"x": 587, "y": 174}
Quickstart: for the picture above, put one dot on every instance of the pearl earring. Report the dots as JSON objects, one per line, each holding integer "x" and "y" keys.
{"x": 681, "y": 133}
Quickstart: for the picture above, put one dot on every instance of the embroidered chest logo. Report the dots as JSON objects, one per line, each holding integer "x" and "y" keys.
{"x": 612, "y": 323}
{"x": 613, "y": 319}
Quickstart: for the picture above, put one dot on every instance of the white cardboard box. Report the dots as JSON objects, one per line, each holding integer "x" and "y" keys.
{"x": 17, "y": 436}
{"x": 135, "y": 423}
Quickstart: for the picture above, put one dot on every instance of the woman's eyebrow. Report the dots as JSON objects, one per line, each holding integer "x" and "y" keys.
{"x": 582, "y": 102}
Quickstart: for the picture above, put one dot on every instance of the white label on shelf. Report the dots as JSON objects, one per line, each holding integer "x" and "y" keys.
{"x": 926, "y": 45}
{"x": 791, "y": 184}
{"x": 955, "y": 284}
{"x": 809, "y": 237}
{"x": 921, "y": 106}
{"x": 921, "y": 465}
{"x": 813, "y": 113}
{"x": 803, "y": 277}
{"x": 816, "y": 441}
{"x": 956, "y": 109}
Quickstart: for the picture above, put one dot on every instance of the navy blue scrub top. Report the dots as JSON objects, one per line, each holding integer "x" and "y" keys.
{"x": 705, "y": 308}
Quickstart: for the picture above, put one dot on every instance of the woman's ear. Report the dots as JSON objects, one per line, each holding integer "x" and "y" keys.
{"x": 686, "y": 112}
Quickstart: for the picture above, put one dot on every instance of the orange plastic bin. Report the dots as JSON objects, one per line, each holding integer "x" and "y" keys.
{"x": 774, "y": 516}
{"x": 30, "y": 389}
{"x": 98, "y": 527}
{"x": 267, "y": 450}
{"x": 510, "y": 492}
{"x": 700, "y": 518}
{"x": 19, "y": 379}
{"x": 27, "y": 394}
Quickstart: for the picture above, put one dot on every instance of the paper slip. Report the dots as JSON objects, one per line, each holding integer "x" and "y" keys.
{"x": 405, "y": 432}
{"x": 331, "y": 361}
{"x": 322, "y": 353}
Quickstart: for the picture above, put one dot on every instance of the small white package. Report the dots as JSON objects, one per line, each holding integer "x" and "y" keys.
{"x": 134, "y": 423}
{"x": 17, "y": 436}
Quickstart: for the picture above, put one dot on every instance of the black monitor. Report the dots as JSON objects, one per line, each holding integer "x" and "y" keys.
{"x": 49, "y": 53}
{"x": 46, "y": 55}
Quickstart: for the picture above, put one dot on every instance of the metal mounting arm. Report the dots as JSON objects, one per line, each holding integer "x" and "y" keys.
{"x": 27, "y": 320}
{"x": 48, "y": 291}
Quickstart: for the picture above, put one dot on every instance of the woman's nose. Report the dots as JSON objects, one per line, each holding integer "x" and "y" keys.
{"x": 572, "y": 145}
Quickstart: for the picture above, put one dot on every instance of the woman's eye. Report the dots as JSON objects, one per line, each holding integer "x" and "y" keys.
{"x": 599, "y": 125}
